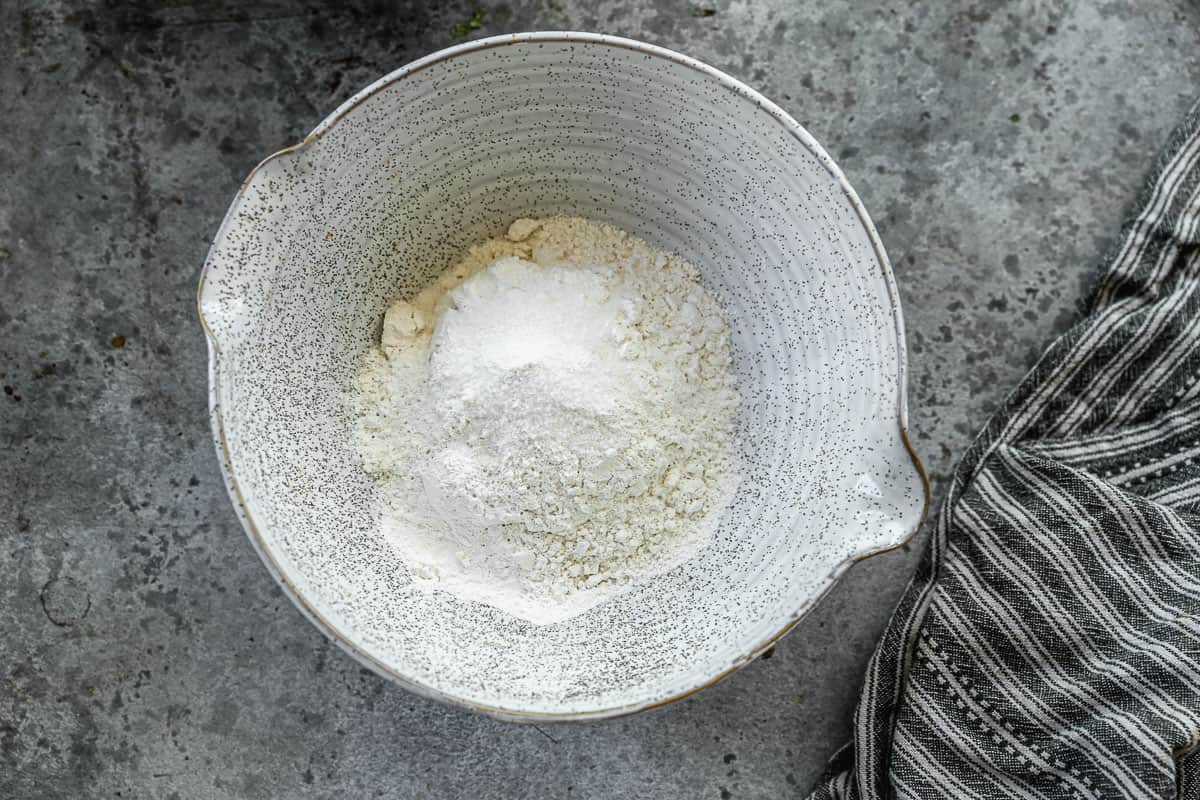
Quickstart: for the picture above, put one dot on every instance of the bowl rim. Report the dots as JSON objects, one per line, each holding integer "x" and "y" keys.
{"x": 576, "y": 37}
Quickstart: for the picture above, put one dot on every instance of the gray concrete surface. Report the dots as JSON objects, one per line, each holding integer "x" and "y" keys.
{"x": 145, "y": 652}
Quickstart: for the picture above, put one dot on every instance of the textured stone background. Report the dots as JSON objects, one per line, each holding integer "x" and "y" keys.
{"x": 145, "y": 652}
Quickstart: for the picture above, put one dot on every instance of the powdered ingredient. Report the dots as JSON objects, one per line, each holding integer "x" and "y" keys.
{"x": 552, "y": 421}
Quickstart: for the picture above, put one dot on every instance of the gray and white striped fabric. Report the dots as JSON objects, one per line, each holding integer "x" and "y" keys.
{"x": 1049, "y": 645}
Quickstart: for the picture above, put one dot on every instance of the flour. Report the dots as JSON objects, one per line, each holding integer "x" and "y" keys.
{"x": 551, "y": 422}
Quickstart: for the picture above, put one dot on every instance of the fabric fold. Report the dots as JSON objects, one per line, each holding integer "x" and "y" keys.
{"x": 1049, "y": 643}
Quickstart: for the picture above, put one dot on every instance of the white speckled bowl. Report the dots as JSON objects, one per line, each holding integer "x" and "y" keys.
{"x": 394, "y": 185}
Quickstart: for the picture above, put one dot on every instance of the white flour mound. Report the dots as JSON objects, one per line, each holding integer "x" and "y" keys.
{"x": 552, "y": 421}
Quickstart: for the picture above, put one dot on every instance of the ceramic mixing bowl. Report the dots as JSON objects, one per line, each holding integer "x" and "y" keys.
{"x": 393, "y": 187}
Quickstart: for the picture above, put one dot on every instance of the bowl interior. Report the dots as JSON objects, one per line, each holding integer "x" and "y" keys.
{"x": 395, "y": 186}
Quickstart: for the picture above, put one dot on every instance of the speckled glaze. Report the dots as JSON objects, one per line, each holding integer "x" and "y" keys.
{"x": 393, "y": 186}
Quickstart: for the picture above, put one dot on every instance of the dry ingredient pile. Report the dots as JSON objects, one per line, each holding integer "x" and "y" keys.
{"x": 552, "y": 421}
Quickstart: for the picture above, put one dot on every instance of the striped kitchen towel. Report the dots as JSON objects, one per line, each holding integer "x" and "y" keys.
{"x": 1049, "y": 645}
